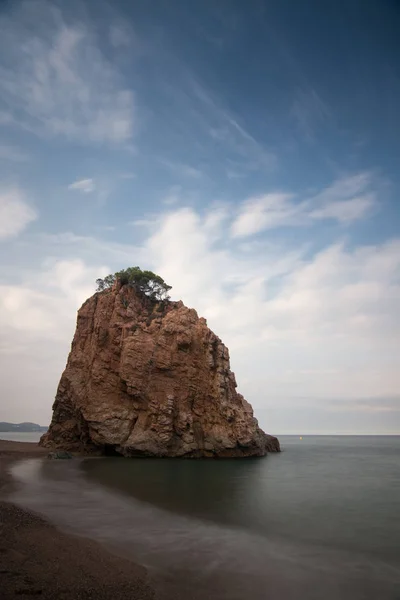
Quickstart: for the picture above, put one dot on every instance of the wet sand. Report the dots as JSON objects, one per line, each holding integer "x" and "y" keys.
{"x": 37, "y": 560}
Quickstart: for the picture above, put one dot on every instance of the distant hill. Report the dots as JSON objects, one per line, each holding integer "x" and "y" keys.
{"x": 23, "y": 427}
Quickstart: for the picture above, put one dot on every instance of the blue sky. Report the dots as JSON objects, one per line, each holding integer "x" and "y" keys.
{"x": 248, "y": 152}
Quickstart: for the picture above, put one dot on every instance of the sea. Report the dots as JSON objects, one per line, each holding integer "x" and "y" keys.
{"x": 320, "y": 520}
{"x": 21, "y": 436}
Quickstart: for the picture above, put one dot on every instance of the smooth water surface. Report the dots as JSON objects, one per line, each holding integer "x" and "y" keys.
{"x": 319, "y": 520}
{"x": 21, "y": 436}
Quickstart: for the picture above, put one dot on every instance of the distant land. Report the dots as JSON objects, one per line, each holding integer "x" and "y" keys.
{"x": 23, "y": 427}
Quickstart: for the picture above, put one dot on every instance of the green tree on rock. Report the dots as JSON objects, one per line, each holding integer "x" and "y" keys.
{"x": 145, "y": 282}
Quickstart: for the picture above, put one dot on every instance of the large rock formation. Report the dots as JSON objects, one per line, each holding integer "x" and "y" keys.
{"x": 150, "y": 379}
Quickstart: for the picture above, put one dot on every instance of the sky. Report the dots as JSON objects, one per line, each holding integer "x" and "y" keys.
{"x": 248, "y": 152}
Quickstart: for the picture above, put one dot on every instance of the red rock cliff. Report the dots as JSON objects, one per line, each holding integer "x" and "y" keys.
{"x": 146, "y": 379}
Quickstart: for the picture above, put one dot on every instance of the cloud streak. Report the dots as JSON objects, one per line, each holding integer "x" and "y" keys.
{"x": 345, "y": 201}
{"x": 182, "y": 169}
{"x": 15, "y": 213}
{"x": 86, "y": 186}
{"x": 12, "y": 153}
{"x": 309, "y": 112}
{"x": 60, "y": 83}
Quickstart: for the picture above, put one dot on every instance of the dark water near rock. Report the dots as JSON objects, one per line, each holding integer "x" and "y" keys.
{"x": 321, "y": 520}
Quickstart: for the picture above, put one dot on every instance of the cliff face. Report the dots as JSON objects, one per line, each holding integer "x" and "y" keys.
{"x": 147, "y": 379}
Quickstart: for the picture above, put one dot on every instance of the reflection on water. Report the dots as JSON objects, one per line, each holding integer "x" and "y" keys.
{"x": 318, "y": 521}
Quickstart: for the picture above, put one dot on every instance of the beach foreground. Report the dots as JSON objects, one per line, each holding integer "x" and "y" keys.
{"x": 38, "y": 560}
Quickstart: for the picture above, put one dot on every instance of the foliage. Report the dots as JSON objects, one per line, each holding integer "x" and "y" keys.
{"x": 146, "y": 282}
{"x": 104, "y": 284}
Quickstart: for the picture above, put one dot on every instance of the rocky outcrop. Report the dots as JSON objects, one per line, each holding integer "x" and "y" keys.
{"x": 150, "y": 379}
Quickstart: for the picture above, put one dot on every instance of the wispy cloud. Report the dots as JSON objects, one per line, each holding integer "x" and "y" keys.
{"x": 345, "y": 201}
{"x": 5, "y": 117}
{"x": 205, "y": 115}
{"x": 12, "y": 153}
{"x": 15, "y": 213}
{"x": 227, "y": 130}
{"x": 32, "y": 306}
{"x": 346, "y": 211}
{"x": 265, "y": 212}
{"x": 182, "y": 169}
{"x": 88, "y": 248}
{"x": 85, "y": 186}
{"x": 373, "y": 405}
{"x": 173, "y": 195}
{"x": 127, "y": 175}
{"x": 121, "y": 35}
{"x": 309, "y": 112}
{"x": 59, "y": 83}
{"x": 345, "y": 187}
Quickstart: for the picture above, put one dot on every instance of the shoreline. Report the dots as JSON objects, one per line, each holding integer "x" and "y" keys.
{"x": 39, "y": 560}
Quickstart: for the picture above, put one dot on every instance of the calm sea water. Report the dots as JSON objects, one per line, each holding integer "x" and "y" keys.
{"x": 21, "y": 436}
{"x": 321, "y": 520}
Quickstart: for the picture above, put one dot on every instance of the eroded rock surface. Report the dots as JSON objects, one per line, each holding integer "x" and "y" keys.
{"x": 146, "y": 379}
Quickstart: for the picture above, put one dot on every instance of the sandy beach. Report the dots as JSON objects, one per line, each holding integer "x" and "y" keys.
{"x": 38, "y": 560}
